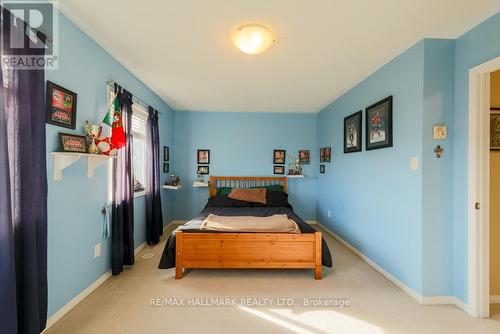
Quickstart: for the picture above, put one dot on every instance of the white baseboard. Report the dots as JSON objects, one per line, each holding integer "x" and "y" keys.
{"x": 434, "y": 300}
{"x": 72, "y": 303}
{"x": 82, "y": 295}
{"x": 495, "y": 299}
{"x": 140, "y": 247}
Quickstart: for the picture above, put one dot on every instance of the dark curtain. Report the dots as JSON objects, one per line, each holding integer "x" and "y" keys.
{"x": 154, "y": 218}
{"x": 23, "y": 186}
{"x": 122, "y": 221}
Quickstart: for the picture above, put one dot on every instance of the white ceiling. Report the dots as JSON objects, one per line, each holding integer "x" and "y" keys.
{"x": 181, "y": 48}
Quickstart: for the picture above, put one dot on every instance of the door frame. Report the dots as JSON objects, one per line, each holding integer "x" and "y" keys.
{"x": 479, "y": 188}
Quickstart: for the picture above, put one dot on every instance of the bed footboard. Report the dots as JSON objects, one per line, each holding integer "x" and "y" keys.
{"x": 248, "y": 250}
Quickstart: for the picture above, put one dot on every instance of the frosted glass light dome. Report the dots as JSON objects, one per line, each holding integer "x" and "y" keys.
{"x": 252, "y": 38}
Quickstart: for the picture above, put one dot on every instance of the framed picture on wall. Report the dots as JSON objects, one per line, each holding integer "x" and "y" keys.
{"x": 73, "y": 143}
{"x": 203, "y": 157}
{"x": 304, "y": 157}
{"x": 322, "y": 169}
{"x": 166, "y": 167}
{"x": 203, "y": 170}
{"x": 166, "y": 153}
{"x": 60, "y": 106}
{"x": 279, "y": 169}
{"x": 378, "y": 119}
{"x": 352, "y": 132}
{"x": 279, "y": 156}
{"x": 327, "y": 154}
{"x": 322, "y": 154}
{"x": 495, "y": 129}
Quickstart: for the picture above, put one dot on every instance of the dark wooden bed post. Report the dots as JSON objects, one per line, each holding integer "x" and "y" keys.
{"x": 178, "y": 255}
{"x": 318, "y": 274}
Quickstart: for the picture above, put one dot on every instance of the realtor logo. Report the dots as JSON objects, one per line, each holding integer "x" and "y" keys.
{"x": 19, "y": 47}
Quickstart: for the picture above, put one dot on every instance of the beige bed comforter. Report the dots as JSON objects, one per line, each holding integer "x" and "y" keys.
{"x": 275, "y": 223}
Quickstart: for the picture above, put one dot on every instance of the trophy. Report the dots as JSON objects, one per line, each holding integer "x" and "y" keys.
{"x": 93, "y": 131}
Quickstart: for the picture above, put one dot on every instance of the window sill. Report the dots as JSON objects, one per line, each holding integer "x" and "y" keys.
{"x": 139, "y": 193}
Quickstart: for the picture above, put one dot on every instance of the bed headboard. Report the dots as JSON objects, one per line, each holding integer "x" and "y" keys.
{"x": 244, "y": 182}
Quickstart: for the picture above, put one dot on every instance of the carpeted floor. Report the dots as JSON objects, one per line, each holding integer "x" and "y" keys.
{"x": 124, "y": 304}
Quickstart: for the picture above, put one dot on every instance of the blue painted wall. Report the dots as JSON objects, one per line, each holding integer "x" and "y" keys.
{"x": 242, "y": 144}
{"x": 437, "y": 176}
{"x": 374, "y": 197}
{"x": 74, "y": 204}
{"x": 473, "y": 48}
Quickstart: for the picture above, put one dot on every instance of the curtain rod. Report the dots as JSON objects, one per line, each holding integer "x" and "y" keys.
{"x": 112, "y": 83}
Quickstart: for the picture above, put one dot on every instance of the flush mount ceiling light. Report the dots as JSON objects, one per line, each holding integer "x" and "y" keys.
{"x": 252, "y": 38}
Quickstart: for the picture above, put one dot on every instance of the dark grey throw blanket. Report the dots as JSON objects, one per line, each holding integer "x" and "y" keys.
{"x": 193, "y": 226}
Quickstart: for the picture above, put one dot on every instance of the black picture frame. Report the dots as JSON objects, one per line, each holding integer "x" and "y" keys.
{"x": 305, "y": 157}
{"x": 382, "y": 124}
{"x": 352, "y": 132}
{"x": 204, "y": 170}
{"x": 327, "y": 154}
{"x": 322, "y": 169}
{"x": 280, "y": 170}
{"x": 277, "y": 159}
{"x": 166, "y": 167}
{"x": 57, "y": 113}
{"x": 64, "y": 139}
{"x": 166, "y": 153}
{"x": 201, "y": 160}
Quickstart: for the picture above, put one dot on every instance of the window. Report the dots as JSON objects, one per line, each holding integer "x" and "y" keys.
{"x": 139, "y": 119}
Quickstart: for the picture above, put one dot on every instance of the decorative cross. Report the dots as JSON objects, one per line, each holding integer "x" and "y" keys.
{"x": 438, "y": 150}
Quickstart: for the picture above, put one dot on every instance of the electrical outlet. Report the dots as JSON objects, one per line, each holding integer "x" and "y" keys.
{"x": 329, "y": 214}
{"x": 97, "y": 250}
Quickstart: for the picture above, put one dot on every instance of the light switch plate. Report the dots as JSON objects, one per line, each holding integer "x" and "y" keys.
{"x": 414, "y": 163}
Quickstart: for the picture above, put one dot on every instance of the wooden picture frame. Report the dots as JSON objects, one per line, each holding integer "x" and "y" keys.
{"x": 322, "y": 169}
{"x": 60, "y": 106}
{"x": 305, "y": 157}
{"x": 378, "y": 129}
{"x": 204, "y": 170}
{"x": 166, "y": 153}
{"x": 203, "y": 157}
{"x": 279, "y": 157}
{"x": 280, "y": 170}
{"x": 72, "y": 143}
{"x": 166, "y": 167}
{"x": 352, "y": 132}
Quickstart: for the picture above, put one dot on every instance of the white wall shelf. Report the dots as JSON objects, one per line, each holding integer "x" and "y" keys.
{"x": 172, "y": 187}
{"x": 63, "y": 160}
{"x": 197, "y": 184}
{"x": 295, "y": 176}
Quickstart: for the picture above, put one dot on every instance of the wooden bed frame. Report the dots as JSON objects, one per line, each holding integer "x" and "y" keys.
{"x": 247, "y": 250}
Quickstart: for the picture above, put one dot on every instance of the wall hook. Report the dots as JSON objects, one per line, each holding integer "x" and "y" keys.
{"x": 438, "y": 150}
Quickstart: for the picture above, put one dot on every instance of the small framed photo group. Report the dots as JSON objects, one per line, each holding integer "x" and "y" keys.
{"x": 279, "y": 158}
{"x": 378, "y": 127}
{"x": 203, "y": 158}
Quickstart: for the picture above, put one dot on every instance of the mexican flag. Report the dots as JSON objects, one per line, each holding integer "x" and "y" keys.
{"x": 113, "y": 120}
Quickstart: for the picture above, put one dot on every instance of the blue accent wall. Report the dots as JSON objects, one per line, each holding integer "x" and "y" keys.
{"x": 74, "y": 204}
{"x": 437, "y": 176}
{"x": 241, "y": 144}
{"x": 473, "y": 48}
{"x": 374, "y": 198}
